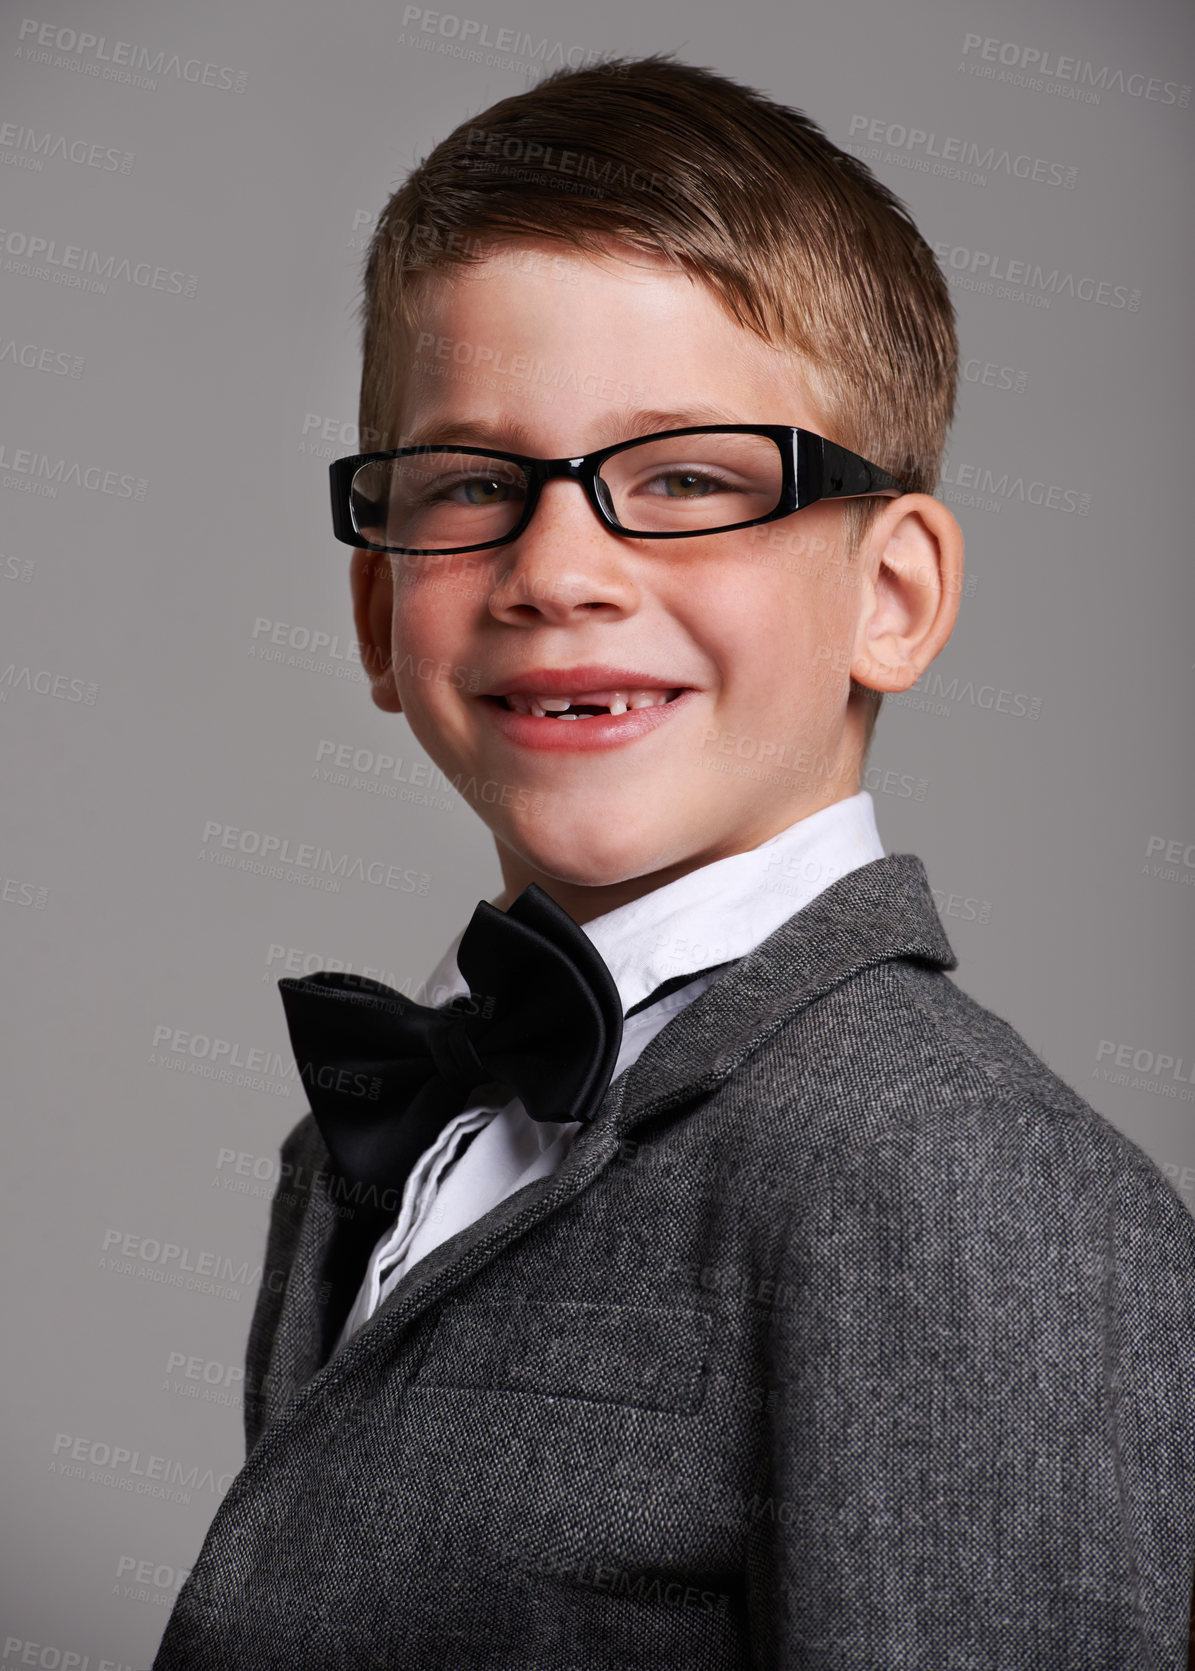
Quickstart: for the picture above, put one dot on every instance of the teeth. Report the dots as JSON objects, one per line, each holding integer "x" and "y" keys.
{"x": 524, "y": 702}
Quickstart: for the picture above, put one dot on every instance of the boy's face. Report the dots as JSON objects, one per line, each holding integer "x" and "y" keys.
{"x": 759, "y": 631}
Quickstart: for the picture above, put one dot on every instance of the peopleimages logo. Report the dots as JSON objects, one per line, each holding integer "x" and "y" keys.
{"x": 934, "y": 693}
{"x": 206, "y": 1057}
{"x": 268, "y": 854}
{"x": 987, "y": 489}
{"x": 480, "y": 42}
{"x": 119, "y": 60}
{"x": 958, "y": 158}
{"x": 523, "y": 368}
{"x": 1042, "y": 70}
{"x": 30, "y": 149}
{"x": 1140, "y": 1069}
{"x": 18, "y": 1651}
{"x": 14, "y": 891}
{"x": 1170, "y": 860}
{"x": 143, "y": 1579}
{"x": 45, "y": 682}
{"x": 35, "y": 357}
{"x": 38, "y": 473}
{"x": 130, "y": 1470}
{"x": 38, "y": 257}
{"x": 1019, "y": 280}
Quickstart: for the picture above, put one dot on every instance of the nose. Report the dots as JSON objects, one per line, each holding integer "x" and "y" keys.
{"x": 564, "y": 565}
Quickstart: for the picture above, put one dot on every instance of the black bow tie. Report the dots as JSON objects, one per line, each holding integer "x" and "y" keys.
{"x": 385, "y": 1074}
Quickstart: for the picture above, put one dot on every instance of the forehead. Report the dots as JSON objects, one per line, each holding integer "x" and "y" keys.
{"x": 536, "y": 332}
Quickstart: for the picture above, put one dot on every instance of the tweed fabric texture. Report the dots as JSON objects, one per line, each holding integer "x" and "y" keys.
{"x": 847, "y": 1338}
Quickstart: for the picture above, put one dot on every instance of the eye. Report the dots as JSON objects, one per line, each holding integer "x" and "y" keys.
{"x": 487, "y": 491}
{"x": 477, "y": 491}
{"x": 685, "y": 484}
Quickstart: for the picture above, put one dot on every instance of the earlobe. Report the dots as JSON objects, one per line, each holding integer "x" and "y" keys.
{"x": 373, "y": 607}
{"x": 913, "y": 576}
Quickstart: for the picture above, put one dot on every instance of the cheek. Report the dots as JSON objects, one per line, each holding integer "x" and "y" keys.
{"x": 781, "y": 641}
{"x": 429, "y": 611}
{"x": 760, "y": 623}
{"x": 414, "y": 642}
{"x": 433, "y": 644}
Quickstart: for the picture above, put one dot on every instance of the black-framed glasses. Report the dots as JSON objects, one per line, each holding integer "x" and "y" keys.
{"x": 433, "y": 501}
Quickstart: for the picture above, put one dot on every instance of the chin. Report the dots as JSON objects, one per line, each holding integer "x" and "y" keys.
{"x": 588, "y": 857}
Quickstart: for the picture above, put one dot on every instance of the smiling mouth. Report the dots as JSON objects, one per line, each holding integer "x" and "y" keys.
{"x": 586, "y": 705}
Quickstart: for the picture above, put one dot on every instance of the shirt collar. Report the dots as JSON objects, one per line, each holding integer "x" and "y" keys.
{"x": 723, "y": 910}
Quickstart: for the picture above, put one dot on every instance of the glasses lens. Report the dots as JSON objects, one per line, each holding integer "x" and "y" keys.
{"x": 437, "y": 501}
{"x": 694, "y": 483}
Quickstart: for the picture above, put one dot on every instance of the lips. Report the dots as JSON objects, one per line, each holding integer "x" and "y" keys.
{"x": 586, "y": 679}
{"x": 600, "y": 707}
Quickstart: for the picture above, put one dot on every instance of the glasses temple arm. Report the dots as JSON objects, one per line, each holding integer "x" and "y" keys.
{"x": 847, "y": 476}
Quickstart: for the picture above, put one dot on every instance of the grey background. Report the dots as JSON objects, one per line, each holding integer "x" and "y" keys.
{"x": 1046, "y": 837}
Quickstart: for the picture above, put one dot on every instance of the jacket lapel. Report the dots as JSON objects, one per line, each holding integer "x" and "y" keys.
{"x": 881, "y": 911}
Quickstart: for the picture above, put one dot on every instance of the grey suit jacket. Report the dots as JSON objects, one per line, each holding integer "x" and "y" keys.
{"x": 847, "y": 1336}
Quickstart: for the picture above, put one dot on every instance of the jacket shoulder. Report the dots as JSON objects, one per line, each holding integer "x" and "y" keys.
{"x": 907, "y": 1050}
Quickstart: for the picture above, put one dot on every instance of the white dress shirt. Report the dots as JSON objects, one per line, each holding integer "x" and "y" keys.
{"x": 703, "y": 921}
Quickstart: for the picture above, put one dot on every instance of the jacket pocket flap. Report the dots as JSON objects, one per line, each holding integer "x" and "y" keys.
{"x": 649, "y": 1356}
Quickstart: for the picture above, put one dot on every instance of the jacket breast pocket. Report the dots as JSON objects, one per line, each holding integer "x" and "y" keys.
{"x": 652, "y": 1357}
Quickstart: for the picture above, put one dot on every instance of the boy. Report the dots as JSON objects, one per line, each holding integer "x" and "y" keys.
{"x": 791, "y": 1312}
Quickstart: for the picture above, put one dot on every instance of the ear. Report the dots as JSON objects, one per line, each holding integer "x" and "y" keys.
{"x": 912, "y": 565}
{"x": 373, "y": 608}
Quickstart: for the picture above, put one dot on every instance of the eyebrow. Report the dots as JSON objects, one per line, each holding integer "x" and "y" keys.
{"x": 511, "y": 435}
